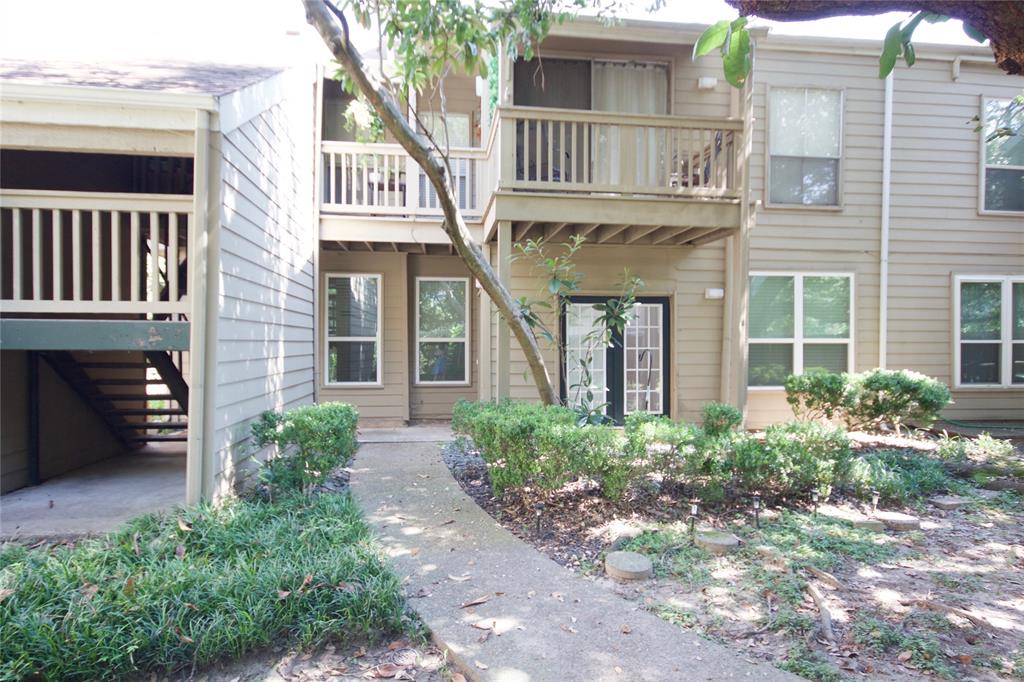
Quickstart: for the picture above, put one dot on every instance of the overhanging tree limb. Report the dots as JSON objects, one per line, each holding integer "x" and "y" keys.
{"x": 321, "y": 16}
{"x": 1001, "y": 22}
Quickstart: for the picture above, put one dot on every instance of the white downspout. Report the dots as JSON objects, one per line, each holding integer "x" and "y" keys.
{"x": 883, "y": 264}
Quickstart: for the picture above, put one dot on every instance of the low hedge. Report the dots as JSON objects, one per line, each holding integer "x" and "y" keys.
{"x": 526, "y": 444}
{"x": 311, "y": 440}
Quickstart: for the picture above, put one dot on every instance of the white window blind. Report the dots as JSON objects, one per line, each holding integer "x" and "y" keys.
{"x": 1003, "y": 155}
{"x": 798, "y": 323}
{"x": 804, "y": 146}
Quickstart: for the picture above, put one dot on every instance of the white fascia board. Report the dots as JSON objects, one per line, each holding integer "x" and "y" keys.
{"x": 114, "y": 97}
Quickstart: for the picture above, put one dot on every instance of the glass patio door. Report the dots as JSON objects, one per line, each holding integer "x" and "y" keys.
{"x": 629, "y": 375}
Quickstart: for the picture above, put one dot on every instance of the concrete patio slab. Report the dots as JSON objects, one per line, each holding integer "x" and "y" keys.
{"x": 97, "y": 498}
{"x": 504, "y": 611}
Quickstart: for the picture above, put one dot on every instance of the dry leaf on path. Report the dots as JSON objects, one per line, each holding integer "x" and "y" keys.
{"x": 904, "y": 657}
{"x": 184, "y": 526}
{"x": 474, "y": 602}
{"x": 484, "y": 625}
{"x": 459, "y": 578}
{"x": 482, "y": 666}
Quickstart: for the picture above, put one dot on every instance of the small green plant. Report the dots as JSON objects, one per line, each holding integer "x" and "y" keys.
{"x": 311, "y": 441}
{"x": 816, "y": 395}
{"x": 802, "y": 661}
{"x": 202, "y": 583}
{"x": 677, "y": 616}
{"x": 718, "y": 419}
{"x": 984, "y": 448}
{"x": 902, "y": 476}
{"x": 879, "y": 635}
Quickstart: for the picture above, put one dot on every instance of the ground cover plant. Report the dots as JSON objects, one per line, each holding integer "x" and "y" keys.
{"x": 898, "y": 600}
{"x": 180, "y": 590}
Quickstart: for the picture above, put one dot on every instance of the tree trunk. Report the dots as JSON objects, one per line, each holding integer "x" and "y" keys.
{"x": 321, "y": 18}
{"x": 1001, "y": 22}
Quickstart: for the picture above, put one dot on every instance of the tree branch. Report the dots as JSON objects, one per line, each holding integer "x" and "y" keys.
{"x": 320, "y": 14}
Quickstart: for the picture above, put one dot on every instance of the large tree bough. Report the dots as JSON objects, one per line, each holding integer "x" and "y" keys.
{"x": 1001, "y": 22}
{"x": 322, "y": 18}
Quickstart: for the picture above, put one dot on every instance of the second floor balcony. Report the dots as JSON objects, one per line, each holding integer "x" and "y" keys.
{"x": 540, "y": 155}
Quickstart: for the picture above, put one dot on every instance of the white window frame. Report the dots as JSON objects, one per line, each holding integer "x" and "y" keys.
{"x": 983, "y": 165}
{"x": 1005, "y": 341}
{"x": 379, "y": 338}
{"x": 798, "y": 340}
{"x": 465, "y": 340}
{"x": 840, "y": 166}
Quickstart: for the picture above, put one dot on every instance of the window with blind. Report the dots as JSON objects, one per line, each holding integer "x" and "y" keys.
{"x": 1003, "y": 155}
{"x": 804, "y": 146}
{"x": 798, "y": 323}
{"x": 353, "y": 323}
{"x": 442, "y": 330}
{"x": 990, "y": 331}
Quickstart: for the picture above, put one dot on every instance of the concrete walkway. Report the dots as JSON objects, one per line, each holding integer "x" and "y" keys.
{"x": 539, "y": 622}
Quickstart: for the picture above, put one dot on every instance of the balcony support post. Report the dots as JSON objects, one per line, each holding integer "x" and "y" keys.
{"x": 504, "y": 368}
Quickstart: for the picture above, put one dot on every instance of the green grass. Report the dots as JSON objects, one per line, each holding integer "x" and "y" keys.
{"x": 672, "y": 554}
{"x": 881, "y": 636}
{"x": 823, "y": 542}
{"x": 802, "y": 661}
{"x": 204, "y": 583}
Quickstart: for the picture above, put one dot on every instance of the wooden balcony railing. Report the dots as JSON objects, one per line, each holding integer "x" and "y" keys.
{"x": 381, "y": 179}
{"x": 548, "y": 150}
{"x": 626, "y": 154}
{"x": 93, "y": 253}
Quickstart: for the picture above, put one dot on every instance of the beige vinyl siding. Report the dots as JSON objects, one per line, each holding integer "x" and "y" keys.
{"x": 809, "y": 240}
{"x": 390, "y": 400}
{"x": 264, "y": 328}
{"x": 435, "y": 402}
{"x": 937, "y": 231}
{"x": 682, "y": 274}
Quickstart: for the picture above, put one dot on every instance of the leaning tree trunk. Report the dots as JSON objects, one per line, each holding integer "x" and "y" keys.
{"x": 1001, "y": 22}
{"x": 386, "y": 106}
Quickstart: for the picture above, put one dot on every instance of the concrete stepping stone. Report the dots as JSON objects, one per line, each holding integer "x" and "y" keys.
{"x": 628, "y": 566}
{"x": 898, "y": 521}
{"x": 869, "y": 524}
{"x": 949, "y": 502}
{"x": 716, "y": 542}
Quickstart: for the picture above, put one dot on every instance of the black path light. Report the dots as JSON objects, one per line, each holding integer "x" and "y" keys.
{"x": 757, "y": 510}
{"x": 692, "y": 518}
{"x": 815, "y": 497}
{"x": 874, "y": 501}
{"x": 539, "y": 511}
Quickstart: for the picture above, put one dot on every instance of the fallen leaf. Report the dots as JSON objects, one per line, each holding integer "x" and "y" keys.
{"x": 5, "y": 593}
{"x": 397, "y": 644}
{"x": 283, "y": 594}
{"x": 185, "y": 639}
{"x": 179, "y": 552}
{"x": 568, "y": 629}
{"x": 414, "y": 551}
{"x": 359, "y": 653}
{"x": 458, "y": 578}
{"x": 305, "y": 582}
{"x": 474, "y": 602}
{"x": 129, "y": 586}
{"x": 89, "y": 591}
{"x": 965, "y": 659}
{"x": 190, "y": 605}
{"x": 480, "y": 665}
{"x": 484, "y": 625}
{"x": 448, "y": 522}
{"x": 904, "y": 657}
{"x": 458, "y": 677}
{"x": 625, "y": 629}
{"x": 184, "y": 526}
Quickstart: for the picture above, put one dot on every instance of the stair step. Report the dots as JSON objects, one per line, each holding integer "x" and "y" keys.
{"x": 137, "y": 396}
{"x": 146, "y": 412}
{"x": 149, "y": 426}
{"x": 113, "y": 365}
{"x": 147, "y": 439}
{"x": 126, "y": 382}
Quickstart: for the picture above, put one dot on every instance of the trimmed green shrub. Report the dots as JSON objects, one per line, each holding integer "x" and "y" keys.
{"x": 817, "y": 395}
{"x": 793, "y": 459}
{"x": 869, "y": 399}
{"x": 312, "y": 440}
{"x": 719, "y": 418}
{"x": 893, "y": 397}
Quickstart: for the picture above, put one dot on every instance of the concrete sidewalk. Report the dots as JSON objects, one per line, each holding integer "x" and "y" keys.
{"x": 539, "y": 622}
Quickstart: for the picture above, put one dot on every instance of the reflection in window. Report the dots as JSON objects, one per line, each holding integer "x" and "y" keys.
{"x": 442, "y": 335}
{"x": 1004, "y": 155}
{"x": 990, "y": 328}
{"x": 353, "y": 329}
{"x": 804, "y": 132}
{"x": 798, "y": 323}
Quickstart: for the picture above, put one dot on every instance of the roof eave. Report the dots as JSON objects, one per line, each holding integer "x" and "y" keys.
{"x": 78, "y": 94}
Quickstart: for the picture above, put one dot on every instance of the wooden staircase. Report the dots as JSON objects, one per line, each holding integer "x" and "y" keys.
{"x": 142, "y": 397}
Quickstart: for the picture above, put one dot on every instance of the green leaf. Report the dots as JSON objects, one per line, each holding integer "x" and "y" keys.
{"x": 908, "y": 54}
{"x": 933, "y": 18}
{"x": 974, "y": 34}
{"x": 554, "y": 285}
{"x": 736, "y": 62}
{"x": 712, "y": 38}
{"x": 892, "y": 48}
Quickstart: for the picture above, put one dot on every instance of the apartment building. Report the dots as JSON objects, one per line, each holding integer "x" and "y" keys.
{"x": 818, "y": 218}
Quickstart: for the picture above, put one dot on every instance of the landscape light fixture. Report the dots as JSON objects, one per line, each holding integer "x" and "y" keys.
{"x": 757, "y": 510}
{"x": 874, "y": 501}
{"x": 692, "y": 518}
{"x": 814, "y": 500}
{"x": 539, "y": 510}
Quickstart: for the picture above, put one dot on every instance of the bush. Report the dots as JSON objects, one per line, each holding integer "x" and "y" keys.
{"x": 817, "y": 395}
{"x": 793, "y": 459}
{"x": 312, "y": 440}
{"x": 869, "y": 399}
{"x": 718, "y": 418}
{"x": 894, "y": 397}
{"x": 901, "y": 476}
{"x": 171, "y": 592}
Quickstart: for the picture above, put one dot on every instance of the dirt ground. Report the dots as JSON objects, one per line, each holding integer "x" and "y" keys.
{"x": 944, "y": 601}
